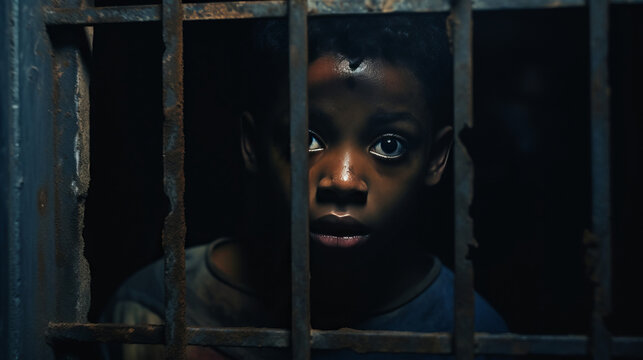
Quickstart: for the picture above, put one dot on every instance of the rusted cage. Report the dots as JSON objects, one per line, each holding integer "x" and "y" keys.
{"x": 60, "y": 192}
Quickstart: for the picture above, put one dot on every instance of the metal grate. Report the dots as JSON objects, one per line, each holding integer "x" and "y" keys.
{"x": 464, "y": 343}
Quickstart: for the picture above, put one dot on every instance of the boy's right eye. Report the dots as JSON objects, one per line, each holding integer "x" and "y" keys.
{"x": 314, "y": 142}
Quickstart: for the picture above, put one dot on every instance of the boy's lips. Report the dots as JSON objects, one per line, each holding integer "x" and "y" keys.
{"x": 339, "y": 231}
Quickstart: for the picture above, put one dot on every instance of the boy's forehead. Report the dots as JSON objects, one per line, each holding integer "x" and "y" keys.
{"x": 330, "y": 73}
{"x": 377, "y": 71}
{"x": 385, "y": 86}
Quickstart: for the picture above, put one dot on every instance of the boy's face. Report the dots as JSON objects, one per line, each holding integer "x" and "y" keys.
{"x": 370, "y": 151}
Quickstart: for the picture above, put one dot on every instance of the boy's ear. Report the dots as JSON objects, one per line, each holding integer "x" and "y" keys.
{"x": 439, "y": 154}
{"x": 249, "y": 142}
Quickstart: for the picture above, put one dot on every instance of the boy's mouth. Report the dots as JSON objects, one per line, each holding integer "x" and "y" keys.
{"x": 338, "y": 231}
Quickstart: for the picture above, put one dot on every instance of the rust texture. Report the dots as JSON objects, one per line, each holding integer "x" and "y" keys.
{"x": 300, "y": 252}
{"x": 101, "y": 15}
{"x": 330, "y": 7}
{"x": 361, "y": 341}
{"x": 235, "y": 10}
{"x": 247, "y": 337}
{"x": 75, "y": 332}
{"x": 525, "y": 4}
{"x": 174, "y": 180}
{"x": 461, "y": 29}
{"x": 70, "y": 50}
{"x": 278, "y": 8}
{"x": 600, "y": 170}
{"x": 383, "y": 341}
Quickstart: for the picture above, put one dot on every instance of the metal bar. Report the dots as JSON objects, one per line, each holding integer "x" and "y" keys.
{"x": 383, "y": 341}
{"x": 12, "y": 176}
{"x": 324, "y": 7}
{"x": 174, "y": 180}
{"x": 461, "y": 24}
{"x": 300, "y": 252}
{"x": 600, "y": 171}
{"x": 235, "y": 10}
{"x": 70, "y": 62}
{"x": 524, "y": 4}
{"x": 360, "y": 341}
{"x": 154, "y": 334}
{"x": 278, "y": 8}
{"x": 102, "y": 15}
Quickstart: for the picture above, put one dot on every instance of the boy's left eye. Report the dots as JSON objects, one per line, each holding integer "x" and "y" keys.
{"x": 314, "y": 142}
{"x": 389, "y": 147}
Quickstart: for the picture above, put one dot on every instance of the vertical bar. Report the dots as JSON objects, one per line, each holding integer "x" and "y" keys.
{"x": 71, "y": 53}
{"x": 463, "y": 179}
{"x": 42, "y": 208}
{"x": 11, "y": 176}
{"x": 70, "y": 62}
{"x": 298, "y": 55}
{"x": 600, "y": 155}
{"x": 174, "y": 180}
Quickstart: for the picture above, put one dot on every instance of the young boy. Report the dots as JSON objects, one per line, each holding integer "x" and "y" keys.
{"x": 379, "y": 103}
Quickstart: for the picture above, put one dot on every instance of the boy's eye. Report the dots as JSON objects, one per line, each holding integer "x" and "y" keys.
{"x": 389, "y": 147}
{"x": 314, "y": 142}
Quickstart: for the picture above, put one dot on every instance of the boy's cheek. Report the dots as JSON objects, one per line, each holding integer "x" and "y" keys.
{"x": 277, "y": 174}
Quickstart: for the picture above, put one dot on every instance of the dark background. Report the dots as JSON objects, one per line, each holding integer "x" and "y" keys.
{"x": 529, "y": 146}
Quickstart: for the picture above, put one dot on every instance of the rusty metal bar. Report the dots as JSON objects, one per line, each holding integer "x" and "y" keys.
{"x": 12, "y": 176}
{"x": 360, "y": 341}
{"x": 461, "y": 23}
{"x": 154, "y": 334}
{"x": 525, "y": 4}
{"x": 102, "y": 15}
{"x": 600, "y": 171}
{"x": 383, "y": 341}
{"x": 300, "y": 251}
{"x": 174, "y": 180}
{"x": 278, "y": 8}
{"x": 325, "y": 7}
{"x": 70, "y": 66}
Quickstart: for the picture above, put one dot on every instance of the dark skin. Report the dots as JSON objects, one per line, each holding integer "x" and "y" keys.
{"x": 371, "y": 155}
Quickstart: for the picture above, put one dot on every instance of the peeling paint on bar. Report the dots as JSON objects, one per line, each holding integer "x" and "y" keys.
{"x": 12, "y": 177}
{"x": 278, "y": 8}
{"x": 102, "y": 15}
{"x": 325, "y": 7}
{"x": 524, "y": 4}
{"x": 234, "y": 10}
{"x": 462, "y": 38}
{"x": 300, "y": 247}
{"x": 71, "y": 146}
{"x": 361, "y": 341}
{"x": 174, "y": 180}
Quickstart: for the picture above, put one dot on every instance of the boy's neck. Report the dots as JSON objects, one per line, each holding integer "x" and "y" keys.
{"x": 339, "y": 296}
{"x": 345, "y": 296}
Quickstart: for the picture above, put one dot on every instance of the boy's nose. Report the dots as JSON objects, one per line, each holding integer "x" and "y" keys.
{"x": 342, "y": 182}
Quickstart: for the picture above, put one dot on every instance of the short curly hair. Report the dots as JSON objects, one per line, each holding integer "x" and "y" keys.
{"x": 416, "y": 41}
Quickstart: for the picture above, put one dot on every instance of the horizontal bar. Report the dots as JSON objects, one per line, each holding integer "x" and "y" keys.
{"x": 383, "y": 341}
{"x": 154, "y": 334}
{"x": 358, "y": 340}
{"x": 278, "y": 8}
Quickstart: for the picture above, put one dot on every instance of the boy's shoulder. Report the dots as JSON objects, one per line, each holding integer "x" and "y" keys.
{"x": 211, "y": 298}
{"x": 432, "y": 310}
{"x": 146, "y": 287}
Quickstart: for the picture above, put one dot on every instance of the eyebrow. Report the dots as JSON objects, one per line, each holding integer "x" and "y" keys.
{"x": 382, "y": 118}
{"x": 315, "y": 113}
